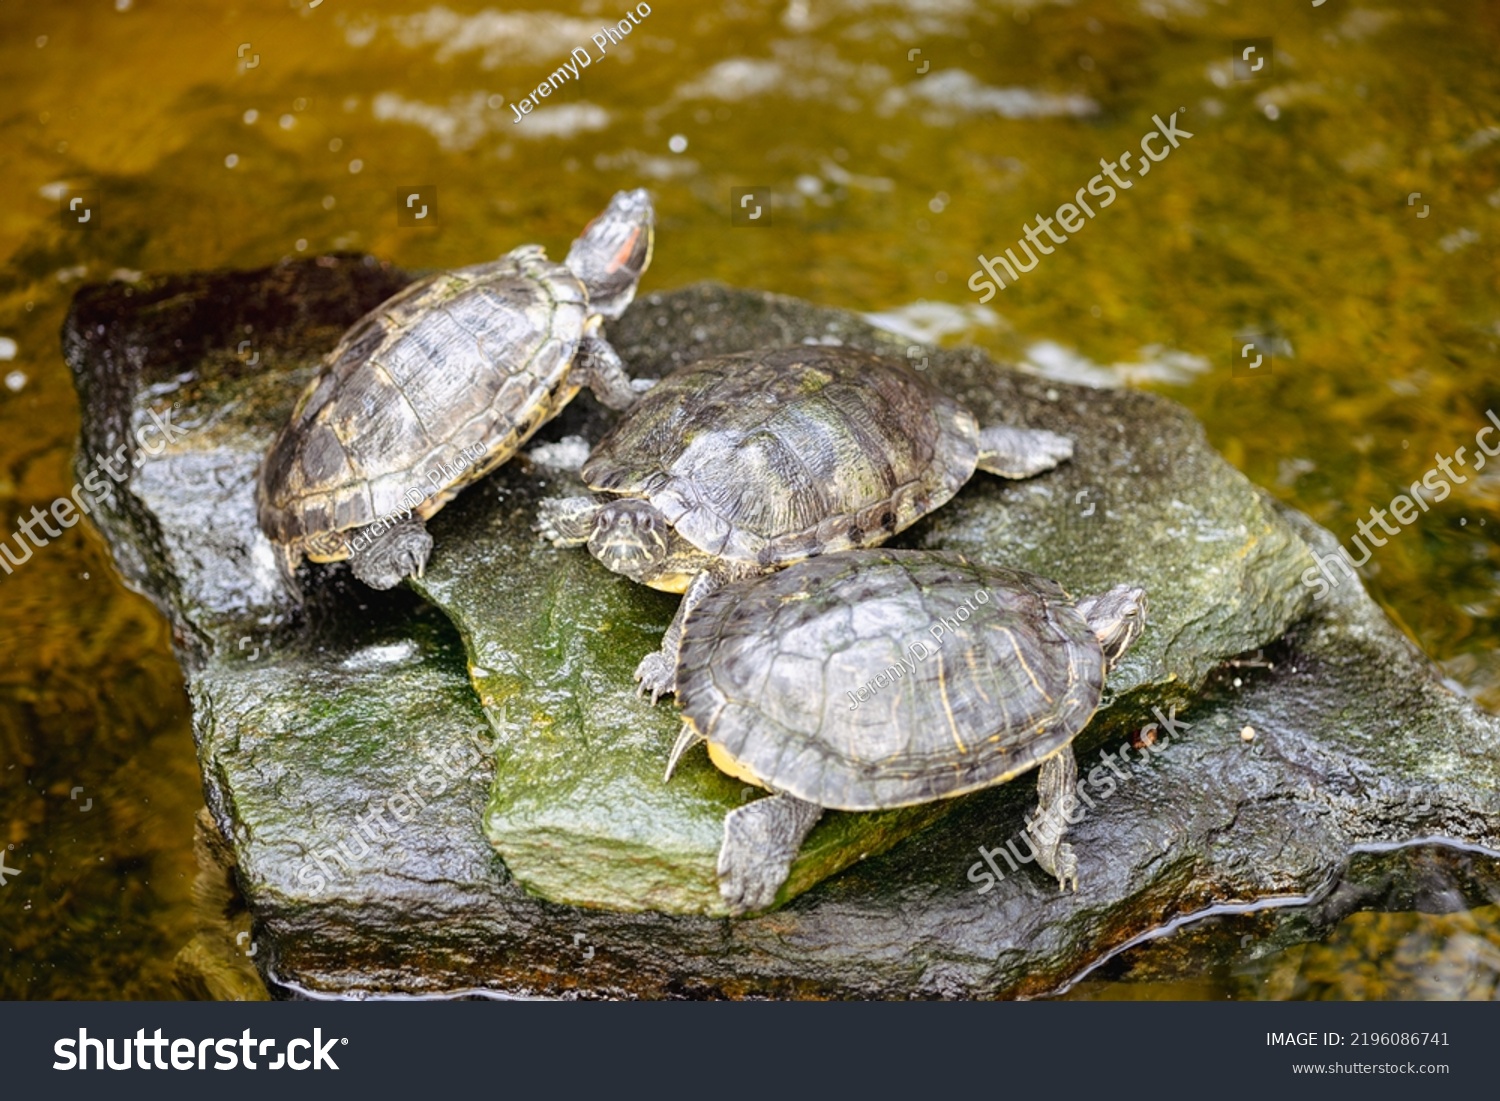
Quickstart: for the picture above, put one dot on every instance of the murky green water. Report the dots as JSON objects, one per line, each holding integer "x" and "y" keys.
{"x": 235, "y": 135}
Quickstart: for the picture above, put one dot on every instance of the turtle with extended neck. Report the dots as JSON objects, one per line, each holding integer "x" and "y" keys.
{"x": 981, "y": 674}
{"x": 449, "y": 377}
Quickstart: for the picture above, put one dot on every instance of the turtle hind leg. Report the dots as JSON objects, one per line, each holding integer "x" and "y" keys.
{"x": 603, "y": 371}
{"x": 1056, "y": 780}
{"x": 761, "y": 840}
{"x": 1021, "y": 452}
{"x": 288, "y": 558}
{"x": 384, "y": 561}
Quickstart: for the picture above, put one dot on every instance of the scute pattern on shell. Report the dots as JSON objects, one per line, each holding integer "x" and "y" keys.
{"x": 768, "y": 457}
{"x": 474, "y": 357}
{"x": 766, "y": 665}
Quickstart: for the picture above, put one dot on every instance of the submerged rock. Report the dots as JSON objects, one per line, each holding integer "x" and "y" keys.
{"x": 397, "y": 793}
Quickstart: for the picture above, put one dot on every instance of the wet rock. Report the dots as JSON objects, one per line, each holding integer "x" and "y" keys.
{"x": 579, "y": 811}
{"x": 398, "y": 785}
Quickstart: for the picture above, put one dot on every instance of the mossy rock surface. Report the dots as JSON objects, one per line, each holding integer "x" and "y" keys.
{"x": 579, "y": 810}
{"x": 455, "y": 788}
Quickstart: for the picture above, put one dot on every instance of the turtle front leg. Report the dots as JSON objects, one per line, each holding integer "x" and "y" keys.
{"x": 601, "y": 369}
{"x": 657, "y": 671}
{"x": 567, "y": 521}
{"x": 383, "y": 561}
{"x": 1021, "y": 452}
{"x": 761, "y": 839}
{"x": 1055, "y": 783}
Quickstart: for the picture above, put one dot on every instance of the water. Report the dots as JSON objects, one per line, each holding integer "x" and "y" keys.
{"x": 1338, "y": 209}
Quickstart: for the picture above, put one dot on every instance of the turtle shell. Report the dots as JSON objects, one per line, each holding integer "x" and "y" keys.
{"x": 883, "y": 678}
{"x": 768, "y": 457}
{"x": 461, "y": 363}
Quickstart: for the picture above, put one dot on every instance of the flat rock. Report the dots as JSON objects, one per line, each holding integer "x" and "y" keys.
{"x": 579, "y": 811}
{"x": 399, "y": 783}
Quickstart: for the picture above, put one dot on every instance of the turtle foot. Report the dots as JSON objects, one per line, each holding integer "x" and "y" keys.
{"x": 393, "y": 557}
{"x": 746, "y": 890}
{"x": 1021, "y": 452}
{"x": 600, "y": 368}
{"x": 656, "y": 674}
{"x": 1066, "y": 868}
{"x": 566, "y": 521}
{"x": 761, "y": 840}
{"x": 1053, "y": 855}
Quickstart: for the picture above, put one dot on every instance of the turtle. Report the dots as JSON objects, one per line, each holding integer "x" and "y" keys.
{"x": 881, "y": 678}
{"x": 439, "y": 385}
{"x": 742, "y": 464}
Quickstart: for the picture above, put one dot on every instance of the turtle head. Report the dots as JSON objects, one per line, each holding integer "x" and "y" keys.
{"x": 1117, "y": 619}
{"x": 612, "y": 253}
{"x": 630, "y": 538}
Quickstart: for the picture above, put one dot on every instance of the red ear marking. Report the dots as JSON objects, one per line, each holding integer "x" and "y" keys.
{"x": 627, "y": 250}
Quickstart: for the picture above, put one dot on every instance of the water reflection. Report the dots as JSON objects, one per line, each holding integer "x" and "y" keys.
{"x": 895, "y": 142}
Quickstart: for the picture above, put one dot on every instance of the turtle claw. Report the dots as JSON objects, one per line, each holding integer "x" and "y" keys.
{"x": 417, "y": 546}
{"x": 656, "y": 673}
{"x": 746, "y": 890}
{"x": 1067, "y": 867}
{"x": 566, "y": 521}
{"x": 547, "y": 512}
{"x": 395, "y": 555}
